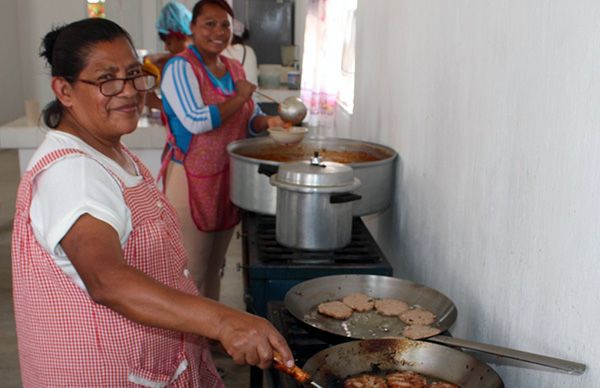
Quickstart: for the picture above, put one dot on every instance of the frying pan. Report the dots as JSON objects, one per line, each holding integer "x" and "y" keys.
{"x": 330, "y": 366}
{"x": 302, "y": 301}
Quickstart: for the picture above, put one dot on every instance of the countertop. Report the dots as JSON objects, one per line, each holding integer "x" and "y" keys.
{"x": 18, "y": 134}
{"x": 150, "y": 133}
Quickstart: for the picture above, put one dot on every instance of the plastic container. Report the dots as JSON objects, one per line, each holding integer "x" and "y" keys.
{"x": 288, "y": 54}
{"x": 269, "y": 76}
{"x": 293, "y": 80}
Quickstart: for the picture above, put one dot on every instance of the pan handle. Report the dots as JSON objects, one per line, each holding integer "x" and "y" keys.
{"x": 570, "y": 367}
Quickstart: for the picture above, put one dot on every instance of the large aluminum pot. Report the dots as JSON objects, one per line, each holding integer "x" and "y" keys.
{"x": 314, "y": 204}
{"x": 374, "y": 166}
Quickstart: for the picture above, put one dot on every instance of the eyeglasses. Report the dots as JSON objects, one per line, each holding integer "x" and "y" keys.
{"x": 114, "y": 86}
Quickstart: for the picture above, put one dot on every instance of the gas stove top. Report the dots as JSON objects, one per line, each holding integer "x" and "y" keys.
{"x": 271, "y": 269}
{"x": 263, "y": 247}
{"x": 362, "y": 248}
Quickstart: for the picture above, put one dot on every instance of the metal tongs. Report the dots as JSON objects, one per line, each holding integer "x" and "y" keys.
{"x": 296, "y": 372}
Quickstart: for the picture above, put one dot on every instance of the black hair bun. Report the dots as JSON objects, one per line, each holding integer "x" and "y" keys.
{"x": 48, "y": 42}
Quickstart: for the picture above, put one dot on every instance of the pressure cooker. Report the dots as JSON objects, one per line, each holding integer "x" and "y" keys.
{"x": 314, "y": 204}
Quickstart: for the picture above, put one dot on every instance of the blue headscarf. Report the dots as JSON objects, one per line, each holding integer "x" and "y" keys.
{"x": 174, "y": 17}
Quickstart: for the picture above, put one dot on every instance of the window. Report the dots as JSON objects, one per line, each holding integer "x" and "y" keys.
{"x": 346, "y": 91}
{"x": 328, "y": 59}
{"x": 96, "y": 8}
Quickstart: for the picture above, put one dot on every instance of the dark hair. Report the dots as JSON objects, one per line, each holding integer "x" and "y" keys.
{"x": 162, "y": 36}
{"x": 241, "y": 39}
{"x": 219, "y": 3}
{"x": 66, "y": 49}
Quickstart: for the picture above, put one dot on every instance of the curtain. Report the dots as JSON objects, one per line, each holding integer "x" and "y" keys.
{"x": 325, "y": 64}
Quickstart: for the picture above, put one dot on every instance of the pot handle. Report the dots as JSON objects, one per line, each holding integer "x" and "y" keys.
{"x": 267, "y": 169}
{"x": 344, "y": 197}
{"x": 573, "y": 368}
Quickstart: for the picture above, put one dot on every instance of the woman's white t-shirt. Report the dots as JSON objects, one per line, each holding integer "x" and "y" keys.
{"x": 71, "y": 187}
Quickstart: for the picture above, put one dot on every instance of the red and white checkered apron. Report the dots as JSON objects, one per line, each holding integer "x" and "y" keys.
{"x": 67, "y": 340}
{"x": 207, "y": 163}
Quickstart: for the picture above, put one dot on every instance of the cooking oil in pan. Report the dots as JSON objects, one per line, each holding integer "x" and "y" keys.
{"x": 361, "y": 325}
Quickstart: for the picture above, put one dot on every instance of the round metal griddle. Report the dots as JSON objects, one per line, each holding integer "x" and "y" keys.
{"x": 302, "y": 301}
{"x": 331, "y": 366}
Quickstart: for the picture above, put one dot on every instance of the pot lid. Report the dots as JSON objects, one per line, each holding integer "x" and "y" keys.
{"x": 310, "y": 174}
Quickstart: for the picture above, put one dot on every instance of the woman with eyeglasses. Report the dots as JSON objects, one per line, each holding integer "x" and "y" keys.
{"x": 102, "y": 292}
{"x": 208, "y": 104}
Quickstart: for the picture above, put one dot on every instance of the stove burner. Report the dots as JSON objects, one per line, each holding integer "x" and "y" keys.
{"x": 362, "y": 248}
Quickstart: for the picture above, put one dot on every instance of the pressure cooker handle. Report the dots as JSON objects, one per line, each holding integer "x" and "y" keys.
{"x": 267, "y": 169}
{"x": 344, "y": 197}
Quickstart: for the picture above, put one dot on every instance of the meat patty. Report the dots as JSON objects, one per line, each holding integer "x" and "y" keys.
{"x": 335, "y": 309}
{"x": 365, "y": 381}
{"x": 417, "y": 316}
{"x": 358, "y": 302}
{"x": 405, "y": 380}
{"x": 420, "y": 331}
{"x": 442, "y": 384}
{"x": 390, "y": 307}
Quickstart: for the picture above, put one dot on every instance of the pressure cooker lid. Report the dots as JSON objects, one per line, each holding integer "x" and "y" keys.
{"x": 307, "y": 174}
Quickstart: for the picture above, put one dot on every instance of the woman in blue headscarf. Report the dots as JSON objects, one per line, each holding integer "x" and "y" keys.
{"x": 173, "y": 26}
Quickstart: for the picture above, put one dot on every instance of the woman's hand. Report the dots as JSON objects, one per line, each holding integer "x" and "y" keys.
{"x": 244, "y": 89}
{"x": 250, "y": 339}
{"x": 262, "y": 122}
{"x": 276, "y": 121}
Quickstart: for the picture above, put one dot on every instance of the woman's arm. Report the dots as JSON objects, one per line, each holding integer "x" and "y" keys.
{"x": 181, "y": 95}
{"x": 94, "y": 249}
{"x": 243, "y": 92}
{"x": 181, "y": 91}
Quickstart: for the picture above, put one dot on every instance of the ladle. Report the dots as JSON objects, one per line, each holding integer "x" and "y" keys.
{"x": 291, "y": 110}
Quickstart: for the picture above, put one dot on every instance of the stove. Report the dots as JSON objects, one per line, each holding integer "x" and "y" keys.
{"x": 271, "y": 269}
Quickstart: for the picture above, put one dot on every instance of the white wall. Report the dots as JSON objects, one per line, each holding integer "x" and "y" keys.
{"x": 494, "y": 108}
{"x": 138, "y": 17}
{"x": 23, "y": 74}
{"x": 32, "y": 19}
{"x": 11, "y": 101}
{"x": 35, "y": 19}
